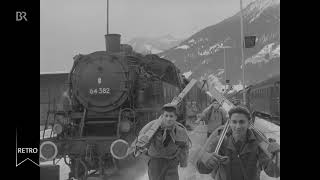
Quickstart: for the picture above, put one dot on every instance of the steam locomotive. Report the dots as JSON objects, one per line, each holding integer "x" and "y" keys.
{"x": 108, "y": 97}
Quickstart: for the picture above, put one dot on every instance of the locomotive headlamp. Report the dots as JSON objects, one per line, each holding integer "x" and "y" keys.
{"x": 125, "y": 126}
{"x": 57, "y": 128}
{"x": 48, "y": 150}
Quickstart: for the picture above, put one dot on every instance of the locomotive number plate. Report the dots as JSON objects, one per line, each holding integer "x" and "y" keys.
{"x": 95, "y": 91}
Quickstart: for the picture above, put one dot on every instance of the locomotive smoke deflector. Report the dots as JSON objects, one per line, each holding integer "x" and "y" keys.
{"x": 112, "y": 43}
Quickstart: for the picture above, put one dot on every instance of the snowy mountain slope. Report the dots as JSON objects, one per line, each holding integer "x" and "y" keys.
{"x": 203, "y": 54}
{"x": 146, "y": 45}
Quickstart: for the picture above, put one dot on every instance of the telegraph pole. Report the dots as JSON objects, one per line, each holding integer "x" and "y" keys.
{"x": 106, "y": 35}
{"x": 225, "y": 70}
{"x": 242, "y": 55}
{"x": 225, "y": 64}
{"x": 107, "y": 16}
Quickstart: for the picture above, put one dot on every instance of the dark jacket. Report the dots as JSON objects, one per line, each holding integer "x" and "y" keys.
{"x": 177, "y": 148}
{"x": 246, "y": 165}
{"x": 164, "y": 160}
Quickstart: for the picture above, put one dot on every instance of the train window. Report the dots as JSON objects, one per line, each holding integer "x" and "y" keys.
{"x": 267, "y": 91}
{"x": 270, "y": 91}
{"x": 166, "y": 94}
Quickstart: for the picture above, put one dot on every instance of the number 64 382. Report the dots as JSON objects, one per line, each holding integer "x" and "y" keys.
{"x": 94, "y": 91}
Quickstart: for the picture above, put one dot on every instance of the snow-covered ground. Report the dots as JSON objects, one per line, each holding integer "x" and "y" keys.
{"x": 266, "y": 54}
{"x": 198, "y": 138}
{"x": 183, "y": 47}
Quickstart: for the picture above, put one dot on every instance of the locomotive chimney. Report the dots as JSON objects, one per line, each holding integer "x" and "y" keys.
{"x": 113, "y": 42}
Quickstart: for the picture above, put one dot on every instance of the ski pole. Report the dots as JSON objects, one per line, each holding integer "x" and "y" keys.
{"x": 224, "y": 132}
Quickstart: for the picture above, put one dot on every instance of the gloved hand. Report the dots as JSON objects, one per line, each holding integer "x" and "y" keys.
{"x": 216, "y": 159}
{"x": 221, "y": 159}
{"x": 271, "y": 140}
{"x": 274, "y": 147}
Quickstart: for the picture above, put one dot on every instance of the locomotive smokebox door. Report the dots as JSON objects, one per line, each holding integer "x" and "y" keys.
{"x": 49, "y": 172}
{"x": 99, "y": 79}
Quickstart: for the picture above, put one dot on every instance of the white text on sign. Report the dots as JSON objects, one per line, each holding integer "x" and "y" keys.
{"x": 27, "y": 150}
{"x": 100, "y": 91}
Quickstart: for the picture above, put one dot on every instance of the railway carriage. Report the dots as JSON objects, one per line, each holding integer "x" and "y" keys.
{"x": 263, "y": 98}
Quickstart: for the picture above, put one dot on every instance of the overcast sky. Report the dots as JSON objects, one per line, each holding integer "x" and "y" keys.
{"x": 70, "y": 27}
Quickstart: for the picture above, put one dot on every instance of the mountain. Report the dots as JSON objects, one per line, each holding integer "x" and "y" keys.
{"x": 154, "y": 45}
{"x": 202, "y": 54}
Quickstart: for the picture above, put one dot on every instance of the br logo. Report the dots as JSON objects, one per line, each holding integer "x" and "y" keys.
{"x": 21, "y": 15}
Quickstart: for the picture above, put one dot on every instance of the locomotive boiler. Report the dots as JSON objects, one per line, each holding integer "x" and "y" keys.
{"x": 111, "y": 95}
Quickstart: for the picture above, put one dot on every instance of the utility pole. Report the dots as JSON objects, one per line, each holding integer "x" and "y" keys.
{"x": 225, "y": 67}
{"x": 242, "y": 55}
{"x": 107, "y": 17}
{"x": 225, "y": 64}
